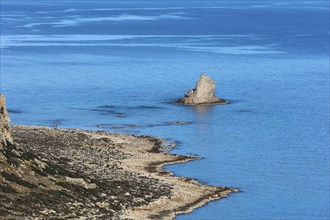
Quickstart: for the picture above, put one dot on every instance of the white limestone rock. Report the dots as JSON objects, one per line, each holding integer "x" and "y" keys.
{"x": 203, "y": 94}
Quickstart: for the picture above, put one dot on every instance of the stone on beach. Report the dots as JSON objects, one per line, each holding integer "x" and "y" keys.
{"x": 203, "y": 94}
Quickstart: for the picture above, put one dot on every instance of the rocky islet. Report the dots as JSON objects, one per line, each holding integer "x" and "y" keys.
{"x": 203, "y": 94}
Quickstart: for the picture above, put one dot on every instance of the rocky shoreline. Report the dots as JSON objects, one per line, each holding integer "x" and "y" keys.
{"x": 69, "y": 173}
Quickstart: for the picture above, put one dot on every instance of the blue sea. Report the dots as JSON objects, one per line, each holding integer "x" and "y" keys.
{"x": 116, "y": 65}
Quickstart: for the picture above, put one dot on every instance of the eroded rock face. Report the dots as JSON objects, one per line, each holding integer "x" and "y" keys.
{"x": 203, "y": 94}
{"x": 5, "y": 137}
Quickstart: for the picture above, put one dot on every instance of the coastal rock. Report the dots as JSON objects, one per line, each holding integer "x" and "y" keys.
{"x": 5, "y": 137}
{"x": 203, "y": 94}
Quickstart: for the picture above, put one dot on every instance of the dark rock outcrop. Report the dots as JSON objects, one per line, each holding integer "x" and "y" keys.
{"x": 203, "y": 94}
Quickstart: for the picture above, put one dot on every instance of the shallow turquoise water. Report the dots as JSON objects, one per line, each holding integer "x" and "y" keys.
{"x": 100, "y": 65}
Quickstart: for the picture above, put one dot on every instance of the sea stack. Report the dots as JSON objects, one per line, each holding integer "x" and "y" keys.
{"x": 5, "y": 137}
{"x": 203, "y": 94}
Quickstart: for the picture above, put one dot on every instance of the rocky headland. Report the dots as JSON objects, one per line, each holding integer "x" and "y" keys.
{"x": 203, "y": 94}
{"x": 48, "y": 173}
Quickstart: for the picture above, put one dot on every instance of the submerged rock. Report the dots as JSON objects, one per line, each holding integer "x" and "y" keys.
{"x": 203, "y": 94}
{"x": 5, "y": 137}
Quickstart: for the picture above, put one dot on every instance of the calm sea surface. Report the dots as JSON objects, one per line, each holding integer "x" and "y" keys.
{"x": 112, "y": 64}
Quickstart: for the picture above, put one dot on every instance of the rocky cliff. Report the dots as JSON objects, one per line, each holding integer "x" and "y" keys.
{"x": 5, "y": 137}
{"x": 203, "y": 94}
